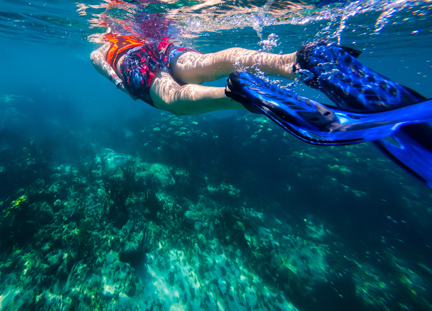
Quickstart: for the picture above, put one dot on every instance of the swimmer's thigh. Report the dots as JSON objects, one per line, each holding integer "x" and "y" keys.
{"x": 188, "y": 99}
{"x": 163, "y": 90}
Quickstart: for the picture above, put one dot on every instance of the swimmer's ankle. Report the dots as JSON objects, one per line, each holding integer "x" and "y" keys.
{"x": 288, "y": 64}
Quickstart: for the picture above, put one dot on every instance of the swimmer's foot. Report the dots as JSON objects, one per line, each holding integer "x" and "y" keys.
{"x": 316, "y": 123}
{"x": 347, "y": 82}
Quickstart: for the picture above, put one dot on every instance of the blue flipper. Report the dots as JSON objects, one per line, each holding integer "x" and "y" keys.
{"x": 409, "y": 155}
{"x": 318, "y": 124}
{"x": 352, "y": 85}
{"x": 358, "y": 88}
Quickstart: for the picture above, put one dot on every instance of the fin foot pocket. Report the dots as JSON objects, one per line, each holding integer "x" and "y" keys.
{"x": 354, "y": 86}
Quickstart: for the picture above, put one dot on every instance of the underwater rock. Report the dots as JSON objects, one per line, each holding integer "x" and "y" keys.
{"x": 133, "y": 250}
{"x": 111, "y": 257}
{"x": 163, "y": 174}
{"x": 208, "y": 281}
{"x": 109, "y": 288}
{"x": 8, "y": 298}
{"x": 370, "y": 286}
{"x": 54, "y": 260}
{"x": 261, "y": 121}
{"x": 198, "y": 225}
{"x": 290, "y": 283}
{"x": 46, "y": 248}
{"x": 44, "y": 213}
{"x": 308, "y": 261}
{"x": 124, "y": 302}
{"x": 69, "y": 210}
{"x": 126, "y": 229}
{"x": 159, "y": 173}
{"x": 153, "y": 205}
{"x": 18, "y": 222}
{"x": 130, "y": 250}
{"x": 117, "y": 278}
{"x": 58, "y": 188}
{"x": 112, "y": 161}
{"x": 62, "y": 271}
{"x": 58, "y": 204}
{"x": 224, "y": 189}
{"x": 14, "y": 260}
{"x": 56, "y": 177}
{"x": 316, "y": 229}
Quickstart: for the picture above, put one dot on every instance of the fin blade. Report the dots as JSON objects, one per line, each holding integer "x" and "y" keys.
{"x": 414, "y": 93}
{"x": 353, "y": 52}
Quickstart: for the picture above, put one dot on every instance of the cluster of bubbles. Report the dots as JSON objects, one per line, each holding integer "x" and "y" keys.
{"x": 337, "y": 15}
{"x": 329, "y": 69}
{"x": 270, "y": 43}
{"x": 197, "y": 23}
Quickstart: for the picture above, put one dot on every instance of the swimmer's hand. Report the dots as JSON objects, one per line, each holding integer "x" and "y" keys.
{"x": 121, "y": 87}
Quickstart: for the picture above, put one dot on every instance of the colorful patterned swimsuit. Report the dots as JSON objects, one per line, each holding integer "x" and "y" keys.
{"x": 141, "y": 61}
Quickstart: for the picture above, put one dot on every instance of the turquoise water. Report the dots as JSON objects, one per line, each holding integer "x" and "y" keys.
{"x": 109, "y": 204}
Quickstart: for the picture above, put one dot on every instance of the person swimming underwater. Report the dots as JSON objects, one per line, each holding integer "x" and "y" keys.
{"x": 369, "y": 107}
{"x": 168, "y": 76}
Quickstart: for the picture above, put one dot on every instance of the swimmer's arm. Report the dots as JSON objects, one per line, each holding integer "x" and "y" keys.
{"x": 98, "y": 60}
{"x": 101, "y": 65}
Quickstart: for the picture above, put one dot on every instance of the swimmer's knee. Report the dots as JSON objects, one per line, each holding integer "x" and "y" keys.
{"x": 167, "y": 98}
{"x": 177, "y": 101}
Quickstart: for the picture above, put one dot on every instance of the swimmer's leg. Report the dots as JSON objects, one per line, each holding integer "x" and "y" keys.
{"x": 188, "y": 99}
{"x": 192, "y": 67}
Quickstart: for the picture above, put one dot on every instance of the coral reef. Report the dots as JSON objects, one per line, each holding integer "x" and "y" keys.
{"x": 195, "y": 215}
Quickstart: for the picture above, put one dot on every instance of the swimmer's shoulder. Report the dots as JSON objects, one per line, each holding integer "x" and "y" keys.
{"x": 99, "y": 55}
{"x": 104, "y": 49}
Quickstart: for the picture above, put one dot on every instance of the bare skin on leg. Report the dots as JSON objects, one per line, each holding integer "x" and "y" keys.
{"x": 193, "y": 67}
{"x": 188, "y": 99}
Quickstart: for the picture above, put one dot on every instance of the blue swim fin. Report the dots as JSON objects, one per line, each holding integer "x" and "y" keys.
{"x": 352, "y": 85}
{"x": 357, "y": 88}
{"x": 413, "y": 157}
{"x": 316, "y": 123}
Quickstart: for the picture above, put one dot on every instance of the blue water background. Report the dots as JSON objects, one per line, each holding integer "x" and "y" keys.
{"x": 395, "y": 213}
